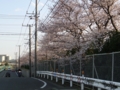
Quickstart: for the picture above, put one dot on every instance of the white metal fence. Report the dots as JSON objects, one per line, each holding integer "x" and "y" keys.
{"x": 99, "y": 84}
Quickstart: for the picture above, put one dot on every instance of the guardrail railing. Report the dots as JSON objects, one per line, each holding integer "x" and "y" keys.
{"x": 100, "y": 84}
{"x": 1, "y": 70}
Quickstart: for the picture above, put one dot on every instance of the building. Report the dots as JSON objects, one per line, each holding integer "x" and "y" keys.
{"x": 4, "y": 58}
{"x": 7, "y": 58}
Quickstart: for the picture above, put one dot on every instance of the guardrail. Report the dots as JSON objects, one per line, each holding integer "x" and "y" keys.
{"x": 100, "y": 84}
{"x": 1, "y": 70}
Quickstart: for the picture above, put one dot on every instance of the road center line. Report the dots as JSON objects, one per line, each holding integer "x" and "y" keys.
{"x": 41, "y": 81}
{"x": 16, "y": 73}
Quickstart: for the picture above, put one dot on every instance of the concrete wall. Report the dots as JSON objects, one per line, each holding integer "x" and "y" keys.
{"x": 25, "y": 72}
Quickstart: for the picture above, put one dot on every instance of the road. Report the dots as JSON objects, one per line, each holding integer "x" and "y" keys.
{"x": 23, "y": 83}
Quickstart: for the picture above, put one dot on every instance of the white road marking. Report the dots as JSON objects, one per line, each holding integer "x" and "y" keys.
{"x": 45, "y": 84}
{"x": 4, "y": 75}
{"x": 16, "y": 73}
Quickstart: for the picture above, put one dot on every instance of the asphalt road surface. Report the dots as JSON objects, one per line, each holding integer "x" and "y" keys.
{"x": 23, "y": 83}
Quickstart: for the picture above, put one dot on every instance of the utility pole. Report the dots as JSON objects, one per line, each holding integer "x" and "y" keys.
{"x": 36, "y": 23}
{"x": 36, "y": 19}
{"x": 29, "y": 47}
{"x": 29, "y": 50}
{"x": 16, "y": 59}
{"x": 19, "y": 57}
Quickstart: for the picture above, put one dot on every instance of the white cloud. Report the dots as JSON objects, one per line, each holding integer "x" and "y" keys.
{"x": 40, "y": 4}
{"x": 18, "y": 9}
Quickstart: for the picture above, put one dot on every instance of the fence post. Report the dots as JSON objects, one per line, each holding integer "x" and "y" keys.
{"x": 47, "y": 76}
{"x": 93, "y": 69}
{"x": 71, "y": 83}
{"x": 41, "y": 75}
{"x": 112, "y": 69}
{"x": 82, "y": 85}
{"x": 44, "y": 65}
{"x": 56, "y": 75}
{"x": 52, "y": 75}
{"x": 44, "y": 75}
{"x": 63, "y": 78}
{"x": 80, "y": 67}
{"x": 54, "y": 65}
{"x": 112, "y": 66}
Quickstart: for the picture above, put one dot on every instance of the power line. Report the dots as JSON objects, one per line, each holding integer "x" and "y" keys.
{"x": 14, "y": 34}
{"x": 11, "y": 18}
{"x": 29, "y": 5}
{"x": 44, "y": 5}
{"x": 27, "y": 11}
{"x": 21, "y": 31}
{"x": 10, "y": 24}
{"x": 25, "y": 17}
{"x": 5, "y": 15}
{"x": 51, "y": 11}
{"x": 47, "y": 16}
{"x": 39, "y": 11}
{"x": 8, "y": 32}
{"x": 7, "y": 40}
{"x": 20, "y": 35}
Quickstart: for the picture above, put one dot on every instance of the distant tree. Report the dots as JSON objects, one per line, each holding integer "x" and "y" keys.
{"x": 6, "y": 64}
{"x": 77, "y": 28}
{"x": 112, "y": 44}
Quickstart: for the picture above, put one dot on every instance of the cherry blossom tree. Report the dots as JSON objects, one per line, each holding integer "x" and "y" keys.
{"x": 77, "y": 25}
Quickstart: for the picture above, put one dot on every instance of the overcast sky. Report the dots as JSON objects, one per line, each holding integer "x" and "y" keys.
{"x": 12, "y": 13}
